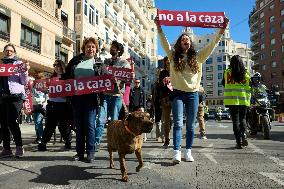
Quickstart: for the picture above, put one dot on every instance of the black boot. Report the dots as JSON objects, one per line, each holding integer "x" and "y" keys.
{"x": 41, "y": 147}
{"x": 244, "y": 140}
{"x": 167, "y": 142}
{"x": 239, "y": 144}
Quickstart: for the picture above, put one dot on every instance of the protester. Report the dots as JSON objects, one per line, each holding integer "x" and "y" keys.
{"x": 137, "y": 97}
{"x": 165, "y": 103}
{"x": 39, "y": 100}
{"x": 57, "y": 114}
{"x": 200, "y": 113}
{"x": 12, "y": 96}
{"x": 157, "y": 108}
{"x": 237, "y": 97}
{"x": 112, "y": 101}
{"x": 84, "y": 106}
{"x": 185, "y": 75}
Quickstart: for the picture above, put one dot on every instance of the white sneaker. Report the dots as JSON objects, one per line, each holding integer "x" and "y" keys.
{"x": 203, "y": 137}
{"x": 177, "y": 157}
{"x": 188, "y": 156}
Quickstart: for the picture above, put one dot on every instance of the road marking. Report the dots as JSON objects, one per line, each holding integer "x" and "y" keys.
{"x": 208, "y": 153}
{"x": 22, "y": 167}
{"x": 274, "y": 176}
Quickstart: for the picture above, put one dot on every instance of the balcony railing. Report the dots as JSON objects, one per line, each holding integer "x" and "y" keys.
{"x": 4, "y": 35}
{"x": 30, "y": 46}
{"x": 37, "y": 2}
{"x": 118, "y": 25}
{"x": 109, "y": 16}
{"x": 71, "y": 34}
{"x": 117, "y": 5}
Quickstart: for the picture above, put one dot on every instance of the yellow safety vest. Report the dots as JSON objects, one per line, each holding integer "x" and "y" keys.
{"x": 236, "y": 93}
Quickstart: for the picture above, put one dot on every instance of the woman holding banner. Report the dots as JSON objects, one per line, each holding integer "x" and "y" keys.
{"x": 185, "y": 77}
{"x": 84, "y": 106}
{"x": 12, "y": 96}
{"x": 56, "y": 114}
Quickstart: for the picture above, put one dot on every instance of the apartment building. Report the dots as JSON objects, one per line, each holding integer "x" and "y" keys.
{"x": 41, "y": 30}
{"x": 216, "y": 64}
{"x": 267, "y": 36}
{"x": 130, "y": 22}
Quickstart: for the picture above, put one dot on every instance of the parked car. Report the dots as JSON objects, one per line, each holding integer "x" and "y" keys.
{"x": 211, "y": 114}
{"x": 225, "y": 114}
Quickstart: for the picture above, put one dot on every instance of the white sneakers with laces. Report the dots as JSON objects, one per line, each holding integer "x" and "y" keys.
{"x": 188, "y": 156}
{"x": 177, "y": 157}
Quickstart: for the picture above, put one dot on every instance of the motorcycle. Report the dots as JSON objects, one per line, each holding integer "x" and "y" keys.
{"x": 218, "y": 116}
{"x": 259, "y": 116}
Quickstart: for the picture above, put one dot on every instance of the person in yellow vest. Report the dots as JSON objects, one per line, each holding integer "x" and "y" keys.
{"x": 185, "y": 76}
{"x": 237, "y": 97}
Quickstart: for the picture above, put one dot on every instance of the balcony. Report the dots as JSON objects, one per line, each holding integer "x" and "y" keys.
{"x": 141, "y": 2}
{"x": 126, "y": 13}
{"x": 118, "y": 26}
{"x": 142, "y": 52}
{"x": 5, "y": 36}
{"x": 255, "y": 56}
{"x": 117, "y": 5}
{"x": 109, "y": 18}
{"x": 142, "y": 34}
{"x": 37, "y": 2}
{"x": 126, "y": 36}
{"x": 137, "y": 46}
{"x": 255, "y": 66}
{"x": 109, "y": 1}
{"x": 131, "y": 42}
{"x": 69, "y": 36}
{"x": 255, "y": 46}
{"x": 137, "y": 28}
{"x": 254, "y": 35}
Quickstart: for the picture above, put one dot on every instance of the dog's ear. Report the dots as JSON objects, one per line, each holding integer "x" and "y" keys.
{"x": 129, "y": 117}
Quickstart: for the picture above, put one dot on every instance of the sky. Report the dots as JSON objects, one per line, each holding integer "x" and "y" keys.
{"x": 236, "y": 10}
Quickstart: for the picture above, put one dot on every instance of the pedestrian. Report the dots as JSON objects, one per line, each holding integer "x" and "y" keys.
{"x": 157, "y": 108}
{"x": 201, "y": 112}
{"x": 185, "y": 77}
{"x": 12, "y": 96}
{"x": 136, "y": 97}
{"x": 112, "y": 102}
{"x": 84, "y": 106}
{"x": 56, "y": 113}
{"x": 165, "y": 102}
{"x": 39, "y": 100}
{"x": 237, "y": 97}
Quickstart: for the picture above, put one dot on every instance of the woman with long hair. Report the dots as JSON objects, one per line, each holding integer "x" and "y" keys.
{"x": 185, "y": 77}
{"x": 237, "y": 97}
{"x": 56, "y": 113}
{"x": 12, "y": 96}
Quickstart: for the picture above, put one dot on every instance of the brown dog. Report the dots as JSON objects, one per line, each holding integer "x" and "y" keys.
{"x": 125, "y": 137}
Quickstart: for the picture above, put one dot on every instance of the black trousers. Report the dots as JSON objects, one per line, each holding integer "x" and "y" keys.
{"x": 10, "y": 109}
{"x": 238, "y": 114}
{"x": 57, "y": 115}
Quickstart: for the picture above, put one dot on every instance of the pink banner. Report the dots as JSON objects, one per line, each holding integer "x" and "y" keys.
{"x": 86, "y": 85}
{"x": 9, "y": 69}
{"x": 192, "y": 19}
{"x": 28, "y": 104}
{"x": 123, "y": 74}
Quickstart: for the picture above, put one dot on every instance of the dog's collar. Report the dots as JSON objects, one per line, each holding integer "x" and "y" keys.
{"x": 128, "y": 130}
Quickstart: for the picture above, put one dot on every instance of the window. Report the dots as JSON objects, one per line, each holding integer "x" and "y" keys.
{"x": 262, "y": 56}
{"x": 261, "y": 15}
{"x": 282, "y": 12}
{"x": 223, "y": 43}
{"x": 86, "y": 7}
{"x": 209, "y": 77}
{"x": 78, "y": 7}
{"x": 220, "y": 92}
{"x": 273, "y": 75}
{"x": 282, "y": 48}
{"x": 219, "y": 59}
{"x": 273, "y": 53}
{"x": 209, "y": 68}
{"x": 108, "y": 41}
{"x": 4, "y": 27}
{"x": 220, "y": 84}
{"x": 263, "y": 67}
{"x": 262, "y": 46}
{"x": 208, "y": 40}
{"x": 220, "y": 75}
{"x": 273, "y": 64}
{"x": 271, "y": 19}
{"x": 224, "y": 66}
{"x": 224, "y": 58}
{"x": 271, "y": 7}
{"x": 57, "y": 50}
{"x": 209, "y": 85}
{"x": 64, "y": 58}
{"x": 91, "y": 15}
{"x": 272, "y": 41}
{"x": 209, "y": 61}
{"x": 97, "y": 17}
{"x": 262, "y": 25}
{"x": 262, "y": 35}
{"x": 209, "y": 93}
{"x": 282, "y": 24}
{"x": 220, "y": 67}
{"x": 30, "y": 38}
{"x": 199, "y": 41}
{"x": 272, "y": 30}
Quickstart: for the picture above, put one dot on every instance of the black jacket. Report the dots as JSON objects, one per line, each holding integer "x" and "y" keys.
{"x": 141, "y": 98}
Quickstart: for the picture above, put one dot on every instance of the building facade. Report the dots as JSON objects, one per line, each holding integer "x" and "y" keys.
{"x": 214, "y": 67}
{"x": 267, "y": 36}
{"x": 41, "y": 30}
{"x": 130, "y": 22}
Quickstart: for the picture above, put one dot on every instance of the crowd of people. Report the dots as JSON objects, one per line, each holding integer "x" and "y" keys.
{"x": 177, "y": 92}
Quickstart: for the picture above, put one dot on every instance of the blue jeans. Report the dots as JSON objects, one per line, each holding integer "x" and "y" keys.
{"x": 185, "y": 102}
{"x": 112, "y": 105}
{"x": 38, "y": 119}
{"x": 85, "y": 122}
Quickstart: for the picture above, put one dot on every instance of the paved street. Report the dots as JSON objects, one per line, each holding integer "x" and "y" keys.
{"x": 217, "y": 165}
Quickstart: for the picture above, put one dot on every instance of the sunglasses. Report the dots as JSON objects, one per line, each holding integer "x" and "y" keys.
{"x": 56, "y": 65}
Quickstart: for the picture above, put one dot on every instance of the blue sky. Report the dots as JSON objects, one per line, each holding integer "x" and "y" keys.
{"x": 236, "y": 10}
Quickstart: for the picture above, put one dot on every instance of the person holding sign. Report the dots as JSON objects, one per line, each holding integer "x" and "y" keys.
{"x": 12, "y": 96}
{"x": 84, "y": 106}
{"x": 185, "y": 77}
